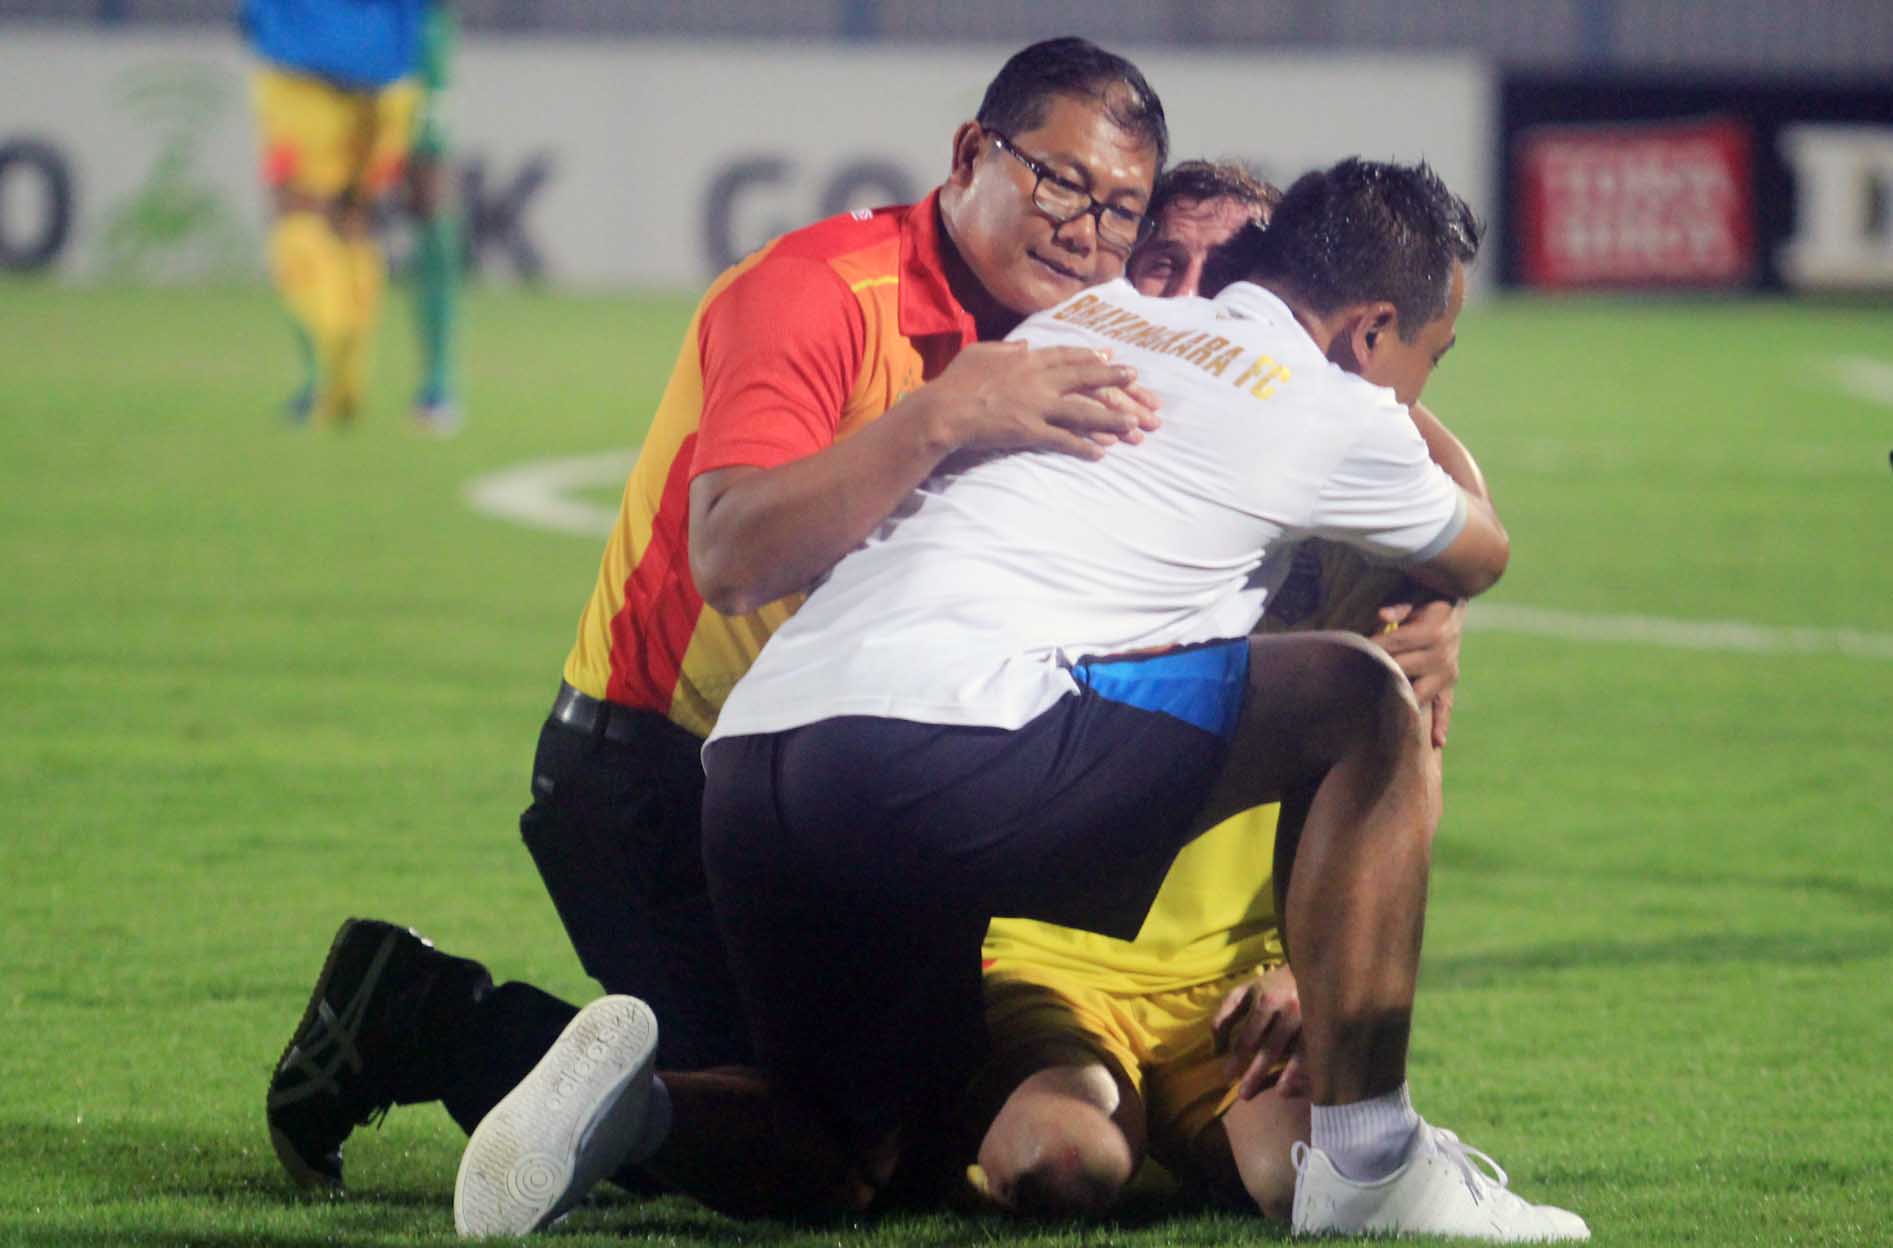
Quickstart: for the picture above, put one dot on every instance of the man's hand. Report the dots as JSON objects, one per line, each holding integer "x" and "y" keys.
{"x": 1426, "y": 646}
{"x": 759, "y": 533}
{"x": 1002, "y": 396}
{"x": 1259, "y": 1026}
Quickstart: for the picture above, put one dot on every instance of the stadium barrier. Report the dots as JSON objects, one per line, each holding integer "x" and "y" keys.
{"x": 1714, "y": 184}
{"x": 631, "y": 162}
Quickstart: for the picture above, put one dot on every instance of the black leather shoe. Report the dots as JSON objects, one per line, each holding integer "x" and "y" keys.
{"x": 357, "y": 1044}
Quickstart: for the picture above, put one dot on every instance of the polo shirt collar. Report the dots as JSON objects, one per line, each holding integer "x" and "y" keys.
{"x": 927, "y": 305}
{"x": 1246, "y": 299}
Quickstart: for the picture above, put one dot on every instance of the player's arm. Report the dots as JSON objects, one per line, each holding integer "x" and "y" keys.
{"x": 1426, "y": 640}
{"x": 1474, "y": 560}
{"x": 776, "y": 499}
{"x": 1422, "y": 630}
{"x": 1388, "y": 496}
{"x": 1449, "y": 452}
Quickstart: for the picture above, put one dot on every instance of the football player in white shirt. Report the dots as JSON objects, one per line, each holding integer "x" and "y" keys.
{"x": 885, "y": 781}
{"x": 1175, "y": 1046}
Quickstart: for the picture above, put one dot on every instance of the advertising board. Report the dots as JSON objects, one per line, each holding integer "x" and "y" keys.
{"x": 636, "y": 163}
{"x": 1698, "y": 185}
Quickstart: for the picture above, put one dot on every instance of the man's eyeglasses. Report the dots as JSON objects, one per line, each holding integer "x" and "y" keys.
{"x": 1065, "y": 201}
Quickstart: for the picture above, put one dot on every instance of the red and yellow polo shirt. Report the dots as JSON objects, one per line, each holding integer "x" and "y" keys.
{"x": 799, "y": 345}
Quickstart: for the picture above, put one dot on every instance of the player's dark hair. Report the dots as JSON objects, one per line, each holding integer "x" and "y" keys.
{"x": 1017, "y": 99}
{"x": 1359, "y": 232}
{"x": 1199, "y": 180}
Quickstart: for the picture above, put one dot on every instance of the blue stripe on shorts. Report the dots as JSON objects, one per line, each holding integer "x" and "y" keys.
{"x": 1200, "y": 685}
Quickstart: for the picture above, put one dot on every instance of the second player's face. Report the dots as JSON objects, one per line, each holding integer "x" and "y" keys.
{"x": 1024, "y": 259}
{"x": 1170, "y": 262}
{"x": 1404, "y": 366}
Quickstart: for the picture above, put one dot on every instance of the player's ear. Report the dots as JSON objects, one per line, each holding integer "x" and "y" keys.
{"x": 1372, "y": 330}
{"x": 1349, "y": 348}
{"x": 967, "y": 142}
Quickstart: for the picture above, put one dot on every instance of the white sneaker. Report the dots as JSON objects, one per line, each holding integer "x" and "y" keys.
{"x": 1439, "y": 1189}
{"x": 573, "y": 1120}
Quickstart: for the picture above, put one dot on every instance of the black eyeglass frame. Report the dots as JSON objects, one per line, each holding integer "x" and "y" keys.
{"x": 1095, "y": 208}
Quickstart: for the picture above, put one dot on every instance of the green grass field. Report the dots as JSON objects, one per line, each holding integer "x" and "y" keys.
{"x": 255, "y": 679}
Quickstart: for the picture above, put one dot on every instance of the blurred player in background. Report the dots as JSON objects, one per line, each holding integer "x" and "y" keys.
{"x": 1178, "y": 1045}
{"x": 821, "y": 379}
{"x": 337, "y": 109}
{"x": 439, "y": 244}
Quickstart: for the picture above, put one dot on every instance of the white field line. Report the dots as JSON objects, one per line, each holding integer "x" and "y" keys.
{"x": 535, "y": 494}
{"x": 1718, "y": 636}
{"x": 1864, "y": 377}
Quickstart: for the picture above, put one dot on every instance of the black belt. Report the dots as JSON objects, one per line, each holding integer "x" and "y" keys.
{"x": 584, "y": 713}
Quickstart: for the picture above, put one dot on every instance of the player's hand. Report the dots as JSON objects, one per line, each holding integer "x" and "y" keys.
{"x": 1425, "y": 644}
{"x": 1442, "y": 718}
{"x": 1003, "y": 396}
{"x": 1259, "y": 1026}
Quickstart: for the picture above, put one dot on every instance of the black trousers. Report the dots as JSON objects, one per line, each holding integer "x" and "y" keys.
{"x": 855, "y": 862}
{"x": 615, "y": 828}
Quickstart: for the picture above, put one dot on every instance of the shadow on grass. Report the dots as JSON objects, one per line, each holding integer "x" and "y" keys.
{"x": 102, "y": 1182}
{"x": 1862, "y": 895}
{"x": 1808, "y": 948}
{"x": 1474, "y": 860}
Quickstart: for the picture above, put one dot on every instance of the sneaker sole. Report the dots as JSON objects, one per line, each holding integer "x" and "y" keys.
{"x": 568, "y": 1124}
{"x": 299, "y": 1169}
{"x": 305, "y": 1176}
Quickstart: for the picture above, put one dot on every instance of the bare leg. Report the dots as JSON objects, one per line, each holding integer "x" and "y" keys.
{"x": 1244, "y": 1155}
{"x": 1329, "y": 709}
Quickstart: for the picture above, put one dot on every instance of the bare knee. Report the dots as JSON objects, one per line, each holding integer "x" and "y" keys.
{"x": 1324, "y": 690}
{"x": 1390, "y": 734}
{"x": 1270, "y": 1183}
{"x": 1367, "y": 702}
{"x": 288, "y": 201}
{"x": 1260, "y": 1136}
{"x": 1369, "y": 676}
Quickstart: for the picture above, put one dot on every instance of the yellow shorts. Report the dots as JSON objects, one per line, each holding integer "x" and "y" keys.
{"x": 326, "y": 142}
{"x": 1160, "y": 1042}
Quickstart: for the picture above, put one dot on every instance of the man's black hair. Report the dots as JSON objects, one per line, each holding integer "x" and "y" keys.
{"x": 1018, "y": 98}
{"x": 1201, "y": 180}
{"x": 1360, "y": 232}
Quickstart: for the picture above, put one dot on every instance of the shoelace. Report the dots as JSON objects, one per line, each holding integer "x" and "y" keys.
{"x": 1465, "y": 1158}
{"x": 1479, "y": 1178}
{"x": 332, "y": 1030}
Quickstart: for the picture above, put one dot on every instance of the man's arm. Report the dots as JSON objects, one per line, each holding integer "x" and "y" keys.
{"x": 1386, "y": 495}
{"x": 1422, "y": 632}
{"x": 1449, "y": 452}
{"x": 757, "y": 534}
{"x": 1476, "y": 558}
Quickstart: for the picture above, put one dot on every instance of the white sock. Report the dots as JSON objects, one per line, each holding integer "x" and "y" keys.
{"x": 1367, "y": 1139}
{"x": 656, "y": 1128}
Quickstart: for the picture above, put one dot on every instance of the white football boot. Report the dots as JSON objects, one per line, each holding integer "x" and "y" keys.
{"x": 1440, "y": 1188}
{"x": 572, "y": 1121}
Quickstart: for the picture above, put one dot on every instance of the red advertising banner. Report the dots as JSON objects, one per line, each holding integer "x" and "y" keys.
{"x": 1636, "y": 204}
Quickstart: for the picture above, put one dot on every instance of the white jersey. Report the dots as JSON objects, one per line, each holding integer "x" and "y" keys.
{"x": 972, "y": 601}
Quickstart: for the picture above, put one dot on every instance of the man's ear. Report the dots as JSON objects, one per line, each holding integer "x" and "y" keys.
{"x": 968, "y": 140}
{"x": 1372, "y": 329}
